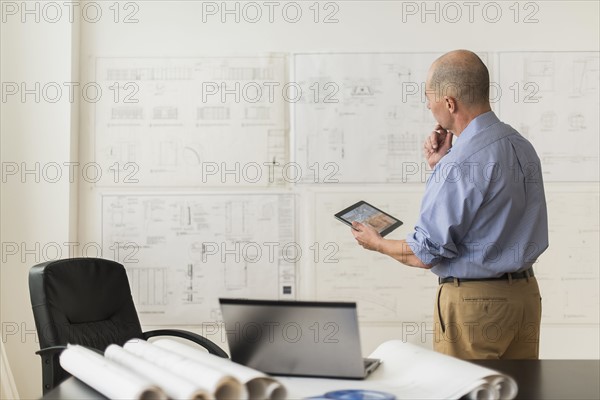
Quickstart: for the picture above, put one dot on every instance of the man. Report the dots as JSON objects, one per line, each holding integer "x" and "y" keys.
{"x": 483, "y": 220}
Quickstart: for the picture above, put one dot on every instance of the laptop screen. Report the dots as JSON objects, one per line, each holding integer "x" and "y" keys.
{"x": 294, "y": 337}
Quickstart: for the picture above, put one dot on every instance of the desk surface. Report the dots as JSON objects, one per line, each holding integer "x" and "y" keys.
{"x": 537, "y": 379}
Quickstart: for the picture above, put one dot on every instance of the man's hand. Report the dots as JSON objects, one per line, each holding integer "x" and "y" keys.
{"x": 437, "y": 145}
{"x": 367, "y": 236}
{"x": 370, "y": 239}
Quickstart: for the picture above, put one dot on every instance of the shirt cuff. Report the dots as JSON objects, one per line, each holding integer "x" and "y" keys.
{"x": 424, "y": 250}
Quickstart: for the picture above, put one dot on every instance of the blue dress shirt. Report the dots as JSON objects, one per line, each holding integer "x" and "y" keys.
{"x": 484, "y": 211}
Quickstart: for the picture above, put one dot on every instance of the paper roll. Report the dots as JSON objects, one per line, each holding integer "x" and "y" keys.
{"x": 258, "y": 384}
{"x": 215, "y": 381}
{"x": 173, "y": 385}
{"x": 107, "y": 377}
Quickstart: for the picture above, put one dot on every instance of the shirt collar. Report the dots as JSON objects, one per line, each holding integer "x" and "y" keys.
{"x": 478, "y": 123}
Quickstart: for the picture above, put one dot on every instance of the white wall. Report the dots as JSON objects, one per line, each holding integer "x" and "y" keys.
{"x": 36, "y": 213}
{"x": 44, "y": 213}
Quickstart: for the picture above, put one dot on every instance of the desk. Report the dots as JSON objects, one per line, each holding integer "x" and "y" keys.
{"x": 537, "y": 379}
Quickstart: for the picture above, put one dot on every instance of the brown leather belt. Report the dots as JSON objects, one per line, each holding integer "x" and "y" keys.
{"x": 509, "y": 275}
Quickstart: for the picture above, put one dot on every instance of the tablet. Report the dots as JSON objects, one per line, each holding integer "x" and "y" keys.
{"x": 365, "y": 213}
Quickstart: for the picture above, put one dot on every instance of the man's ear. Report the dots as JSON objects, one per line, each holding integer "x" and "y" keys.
{"x": 450, "y": 103}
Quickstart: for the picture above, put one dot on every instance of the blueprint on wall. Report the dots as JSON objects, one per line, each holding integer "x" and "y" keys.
{"x": 388, "y": 291}
{"x": 185, "y": 121}
{"x": 371, "y": 121}
{"x": 568, "y": 272}
{"x": 368, "y": 117}
{"x": 183, "y": 252}
{"x": 373, "y": 134}
{"x": 385, "y": 290}
{"x": 552, "y": 98}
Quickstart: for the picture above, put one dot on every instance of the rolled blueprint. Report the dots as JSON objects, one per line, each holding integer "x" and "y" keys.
{"x": 215, "y": 381}
{"x": 176, "y": 387}
{"x": 107, "y": 377}
{"x": 258, "y": 384}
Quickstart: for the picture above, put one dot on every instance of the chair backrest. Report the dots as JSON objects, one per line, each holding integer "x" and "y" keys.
{"x": 83, "y": 301}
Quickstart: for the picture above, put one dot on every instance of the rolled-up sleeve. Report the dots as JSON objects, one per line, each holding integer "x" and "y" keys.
{"x": 449, "y": 205}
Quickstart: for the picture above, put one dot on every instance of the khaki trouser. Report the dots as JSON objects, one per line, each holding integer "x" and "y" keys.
{"x": 488, "y": 319}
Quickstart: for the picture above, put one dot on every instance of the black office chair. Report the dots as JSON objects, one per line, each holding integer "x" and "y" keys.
{"x": 87, "y": 301}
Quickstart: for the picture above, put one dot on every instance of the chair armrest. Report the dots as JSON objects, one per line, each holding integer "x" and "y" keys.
{"x": 52, "y": 373}
{"x": 50, "y": 351}
{"x": 194, "y": 337}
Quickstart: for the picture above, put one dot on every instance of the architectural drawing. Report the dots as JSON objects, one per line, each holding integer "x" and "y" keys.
{"x": 385, "y": 290}
{"x": 183, "y": 252}
{"x": 191, "y": 121}
{"x": 367, "y": 114}
{"x": 552, "y": 98}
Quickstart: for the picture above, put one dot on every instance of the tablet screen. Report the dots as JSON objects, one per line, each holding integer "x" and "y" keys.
{"x": 365, "y": 213}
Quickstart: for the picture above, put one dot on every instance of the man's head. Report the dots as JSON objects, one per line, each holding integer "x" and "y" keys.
{"x": 457, "y": 89}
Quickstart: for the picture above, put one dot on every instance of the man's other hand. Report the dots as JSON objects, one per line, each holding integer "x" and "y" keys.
{"x": 437, "y": 145}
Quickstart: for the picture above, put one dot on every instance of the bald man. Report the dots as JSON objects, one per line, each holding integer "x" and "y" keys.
{"x": 483, "y": 220}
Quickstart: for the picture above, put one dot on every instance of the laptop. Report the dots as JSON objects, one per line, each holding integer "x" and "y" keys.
{"x": 296, "y": 338}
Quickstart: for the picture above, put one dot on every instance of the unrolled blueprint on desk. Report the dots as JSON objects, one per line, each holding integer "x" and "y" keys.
{"x": 412, "y": 372}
